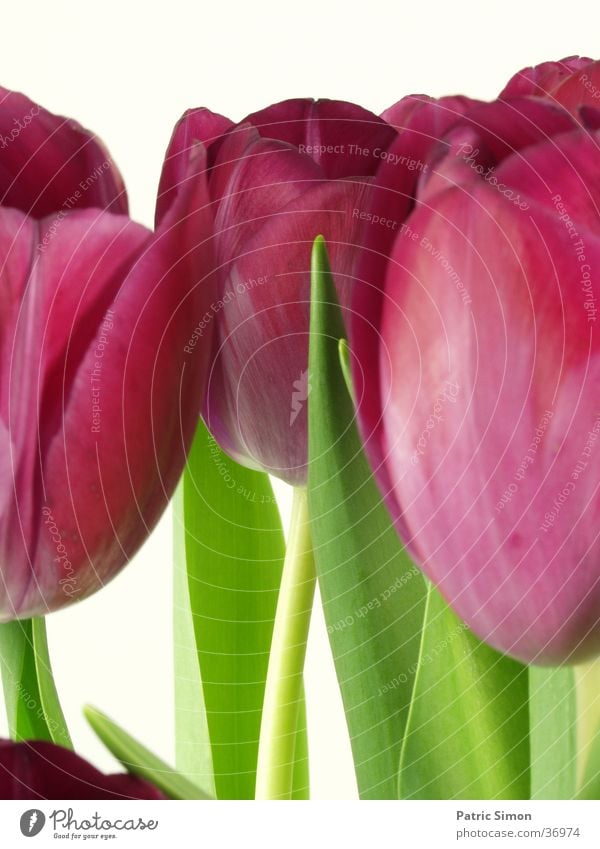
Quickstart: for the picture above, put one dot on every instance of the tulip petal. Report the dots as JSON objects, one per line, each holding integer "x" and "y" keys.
{"x": 423, "y": 124}
{"x": 579, "y": 89}
{"x": 43, "y": 317}
{"x": 96, "y": 355}
{"x": 565, "y": 170}
{"x": 485, "y": 137}
{"x": 51, "y": 165}
{"x": 344, "y": 139}
{"x": 261, "y": 352}
{"x": 573, "y": 84}
{"x": 196, "y": 125}
{"x": 40, "y": 770}
{"x": 542, "y": 80}
{"x": 470, "y": 379}
{"x": 419, "y": 113}
{"x": 252, "y": 178}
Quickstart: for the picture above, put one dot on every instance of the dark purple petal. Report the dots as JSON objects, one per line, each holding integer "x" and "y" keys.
{"x": 49, "y": 164}
{"x": 196, "y": 125}
{"x": 39, "y": 770}
{"x": 344, "y": 139}
{"x": 258, "y": 389}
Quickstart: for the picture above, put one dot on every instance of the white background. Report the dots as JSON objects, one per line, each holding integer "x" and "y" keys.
{"x": 128, "y": 70}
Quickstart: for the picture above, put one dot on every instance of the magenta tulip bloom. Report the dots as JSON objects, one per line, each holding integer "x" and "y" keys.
{"x": 477, "y": 365}
{"x": 98, "y": 398}
{"x": 40, "y": 770}
{"x": 277, "y": 180}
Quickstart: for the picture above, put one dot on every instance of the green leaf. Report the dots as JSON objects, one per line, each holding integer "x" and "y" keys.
{"x": 553, "y": 720}
{"x": 139, "y": 760}
{"x": 468, "y": 731}
{"x": 32, "y": 705}
{"x": 373, "y": 596}
{"x": 233, "y": 552}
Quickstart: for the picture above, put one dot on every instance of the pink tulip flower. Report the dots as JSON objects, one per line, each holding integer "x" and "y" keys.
{"x": 476, "y": 362}
{"x": 98, "y": 398}
{"x": 276, "y": 180}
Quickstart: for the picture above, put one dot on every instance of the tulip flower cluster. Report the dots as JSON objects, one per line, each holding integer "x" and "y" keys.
{"x": 464, "y": 242}
{"x": 472, "y": 229}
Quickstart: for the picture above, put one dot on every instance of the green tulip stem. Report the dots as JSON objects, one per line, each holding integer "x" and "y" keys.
{"x": 33, "y": 708}
{"x": 283, "y": 690}
{"x": 587, "y": 687}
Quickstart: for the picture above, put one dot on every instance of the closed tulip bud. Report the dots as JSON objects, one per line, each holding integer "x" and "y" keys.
{"x": 477, "y": 364}
{"x": 98, "y": 398}
{"x": 278, "y": 179}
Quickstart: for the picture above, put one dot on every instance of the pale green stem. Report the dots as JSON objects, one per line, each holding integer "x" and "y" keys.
{"x": 283, "y": 690}
{"x": 587, "y": 690}
{"x": 32, "y": 705}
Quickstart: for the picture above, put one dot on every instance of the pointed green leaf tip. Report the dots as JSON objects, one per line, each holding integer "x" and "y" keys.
{"x": 323, "y": 294}
{"x": 139, "y": 760}
{"x": 373, "y": 596}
